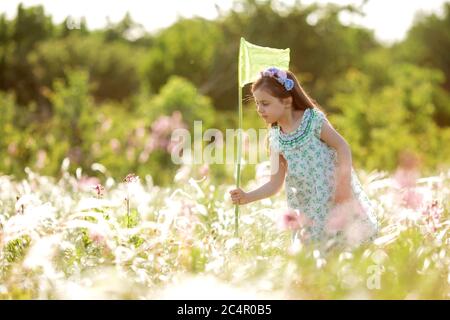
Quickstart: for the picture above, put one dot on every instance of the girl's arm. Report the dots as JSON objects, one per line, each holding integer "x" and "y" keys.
{"x": 343, "y": 171}
{"x": 278, "y": 167}
{"x": 278, "y": 173}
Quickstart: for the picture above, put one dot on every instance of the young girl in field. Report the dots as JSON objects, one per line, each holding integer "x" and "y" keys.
{"x": 324, "y": 195}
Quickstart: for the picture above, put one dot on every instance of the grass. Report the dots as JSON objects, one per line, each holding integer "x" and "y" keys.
{"x": 61, "y": 240}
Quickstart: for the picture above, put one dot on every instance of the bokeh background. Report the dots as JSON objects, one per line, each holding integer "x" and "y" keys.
{"x": 112, "y": 95}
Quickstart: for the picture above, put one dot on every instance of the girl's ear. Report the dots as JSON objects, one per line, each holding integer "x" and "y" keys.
{"x": 287, "y": 101}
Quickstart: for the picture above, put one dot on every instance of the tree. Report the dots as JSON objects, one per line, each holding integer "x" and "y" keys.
{"x": 73, "y": 124}
{"x": 381, "y": 124}
{"x": 114, "y": 75}
{"x": 178, "y": 94}
{"x": 185, "y": 49}
{"x": 428, "y": 44}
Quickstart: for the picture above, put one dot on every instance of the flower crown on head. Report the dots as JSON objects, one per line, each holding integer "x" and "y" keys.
{"x": 280, "y": 76}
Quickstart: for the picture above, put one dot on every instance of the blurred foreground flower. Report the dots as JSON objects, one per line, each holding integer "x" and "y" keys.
{"x": 86, "y": 183}
{"x": 342, "y": 214}
{"x": 58, "y": 244}
{"x": 293, "y": 219}
{"x": 209, "y": 287}
{"x": 204, "y": 170}
{"x": 352, "y": 220}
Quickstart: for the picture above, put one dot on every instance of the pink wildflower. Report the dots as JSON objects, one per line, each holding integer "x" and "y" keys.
{"x": 87, "y": 183}
{"x": 131, "y": 178}
{"x": 97, "y": 237}
{"x": 99, "y": 189}
{"x": 204, "y": 170}
{"x": 342, "y": 214}
{"x": 432, "y": 214}
{"x": 412, "y": 199}
{"x": 293, "y": 220}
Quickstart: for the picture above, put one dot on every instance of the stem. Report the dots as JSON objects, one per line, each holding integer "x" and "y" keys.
{"x": 128, "y": 209}
{"x": 128, "y": 213}
{"x": 239, "y": 151}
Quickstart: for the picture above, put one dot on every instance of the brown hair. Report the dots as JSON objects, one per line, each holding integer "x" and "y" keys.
{"x": 300, "y": 99}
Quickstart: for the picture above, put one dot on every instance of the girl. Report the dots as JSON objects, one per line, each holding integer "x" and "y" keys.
{"x": 314, "y": 161}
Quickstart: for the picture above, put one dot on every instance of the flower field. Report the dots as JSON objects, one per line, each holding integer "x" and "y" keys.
{"x": 73, "y": 238}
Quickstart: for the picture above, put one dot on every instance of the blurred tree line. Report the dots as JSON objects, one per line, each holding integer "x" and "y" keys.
{"x": 113, "y": 95}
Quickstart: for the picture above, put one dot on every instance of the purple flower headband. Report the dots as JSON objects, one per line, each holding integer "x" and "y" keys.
{"x": 280, "y": 76}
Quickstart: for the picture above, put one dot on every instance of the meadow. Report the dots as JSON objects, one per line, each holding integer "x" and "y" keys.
{"x": 76, "y": 238}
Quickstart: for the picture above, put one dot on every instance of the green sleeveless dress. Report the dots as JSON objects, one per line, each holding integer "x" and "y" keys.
{"x": 310, "y": 180}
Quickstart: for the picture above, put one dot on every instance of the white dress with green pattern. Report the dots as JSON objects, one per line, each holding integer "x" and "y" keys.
{"x": 309, "y": 181}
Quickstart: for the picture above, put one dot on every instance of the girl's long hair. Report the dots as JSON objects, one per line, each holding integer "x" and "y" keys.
{"x": 300, "y": 99}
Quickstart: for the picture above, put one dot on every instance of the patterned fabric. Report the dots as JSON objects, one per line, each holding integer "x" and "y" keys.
{"x": 309, "y": 181}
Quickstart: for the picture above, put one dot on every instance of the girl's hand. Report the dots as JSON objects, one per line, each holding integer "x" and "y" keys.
{"x": 239, "y": 197}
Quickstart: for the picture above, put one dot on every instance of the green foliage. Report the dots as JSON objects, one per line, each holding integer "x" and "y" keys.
{"x": 8, "y": 131}
{"x": 380, "y": 124}
{"x": 130, "y": 220}
{"x": 185, "y": 49}
{"x": 73, "y": 123}
{"x": 95, "y": 96}
{"x": 31, "y": 25}
{"x": 113, "y": 74}
{"x": 15, "y": 249}
{"x": 179, "y": 94}
{"x": 21, "y": 36}
{"x": 427, "y": 44}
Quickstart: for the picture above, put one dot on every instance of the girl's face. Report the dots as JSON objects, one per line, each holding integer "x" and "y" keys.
{"x": 269, "y": 108}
